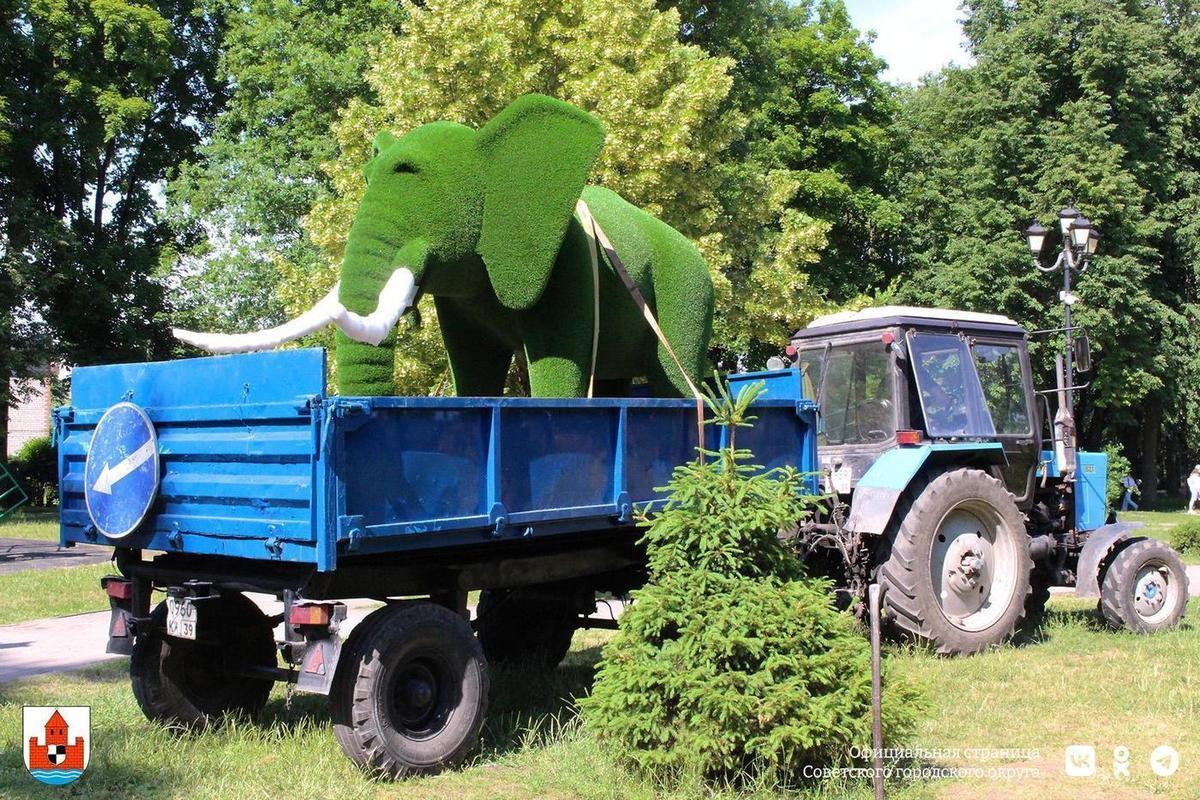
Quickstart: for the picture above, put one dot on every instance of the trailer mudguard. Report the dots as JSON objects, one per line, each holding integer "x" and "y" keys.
{"x": 875, "y": 494}
{"x": 1096, "y": 549}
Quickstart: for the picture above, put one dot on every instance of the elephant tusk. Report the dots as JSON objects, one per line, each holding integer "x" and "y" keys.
{"x": 394, "y": 299}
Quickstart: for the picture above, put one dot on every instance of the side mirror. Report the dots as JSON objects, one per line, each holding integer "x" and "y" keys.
{"x": 1083, "y": 353}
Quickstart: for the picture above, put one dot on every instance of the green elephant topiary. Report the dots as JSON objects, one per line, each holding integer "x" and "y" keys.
{"x": 484, "y": 220}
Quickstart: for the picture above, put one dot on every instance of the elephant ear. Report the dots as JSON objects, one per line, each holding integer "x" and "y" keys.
{"x": 535, "y": 157}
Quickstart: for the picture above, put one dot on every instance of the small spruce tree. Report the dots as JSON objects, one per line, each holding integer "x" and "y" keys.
{"x": 731, "y": 664}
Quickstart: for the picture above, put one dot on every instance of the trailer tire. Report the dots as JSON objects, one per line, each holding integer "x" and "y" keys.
{"x": 1144, "y": 588}
{"x": 954, "y": 533}
{"x": 195, "y": 684}
{"x": 410, "y": 693}
{"x": 525, "y": 625}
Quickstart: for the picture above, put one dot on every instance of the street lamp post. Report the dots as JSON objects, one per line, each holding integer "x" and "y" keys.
{"x": 1079, "y": 242}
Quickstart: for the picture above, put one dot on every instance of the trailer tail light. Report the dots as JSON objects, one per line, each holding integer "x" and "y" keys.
{"x": 316, "y": 614}
{"x": 909, "y": 437}
{"x": 117, "y": 588}
{"x": 887, "y": 337}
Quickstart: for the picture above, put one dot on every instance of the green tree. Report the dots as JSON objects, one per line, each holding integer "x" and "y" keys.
{"x": 1068, "y": 102}
{"x": 290, "y": 67}
{"x": 818, "y": 127}
{"x": 662, "y": 102}
{"x": 102, "y": 102}
{"x": 732, "y": 664}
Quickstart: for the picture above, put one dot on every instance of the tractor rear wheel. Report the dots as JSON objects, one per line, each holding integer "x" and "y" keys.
{"x": 957, "y": 569}
{"x": 1145, "y": 587}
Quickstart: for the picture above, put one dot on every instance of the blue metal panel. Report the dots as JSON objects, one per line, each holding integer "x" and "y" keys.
{"x": 876, "y": 492}
{"x": 257, "y": 463}
{"x": 778, "y": 384}
{"x": 898, "y": 466}
{"x": 547, "y": 466}
{"x": 217, "y": 380}
{"x": 237, "y": 444}
{"x": 558, "y": 458}
{"x": 1091, "y": 489}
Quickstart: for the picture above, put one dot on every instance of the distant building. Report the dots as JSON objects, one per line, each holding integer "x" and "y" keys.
{"x": 29, "y": 416}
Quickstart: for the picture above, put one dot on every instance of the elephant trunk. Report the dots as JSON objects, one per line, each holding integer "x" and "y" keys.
{"x": 394, "y": 299}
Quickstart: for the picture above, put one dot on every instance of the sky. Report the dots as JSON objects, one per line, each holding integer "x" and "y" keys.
{"x": 913, "y": 36}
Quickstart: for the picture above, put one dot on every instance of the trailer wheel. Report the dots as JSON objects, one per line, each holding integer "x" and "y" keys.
{"x": 194, "y": 684}
{"x": 525, "y": 625}
{"x": 410, "y": 692}
{"x": 957, "y": 572}
{"x": 1145, "y": 588}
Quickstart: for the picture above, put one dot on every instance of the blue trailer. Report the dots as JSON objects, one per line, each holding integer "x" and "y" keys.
{"x": 217, "y": 476}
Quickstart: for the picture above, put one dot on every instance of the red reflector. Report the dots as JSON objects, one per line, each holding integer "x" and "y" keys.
{"x": 887, "y": 337}
{"x": 311, "y": 614}
{"x": 791, "y": 351}
{"x": 909, "y": 437}
{"x": 118, "y": 589}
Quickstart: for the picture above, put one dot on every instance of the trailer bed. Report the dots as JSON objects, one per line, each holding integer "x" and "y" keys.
{"x": 257, "y": 461}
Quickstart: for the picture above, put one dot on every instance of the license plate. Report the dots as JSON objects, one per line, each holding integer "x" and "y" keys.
{"x": 181, "y": 617}
{"x": 841, "y": 478}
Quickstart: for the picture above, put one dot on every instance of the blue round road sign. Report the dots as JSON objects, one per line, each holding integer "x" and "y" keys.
{"x": 120, "y": 476}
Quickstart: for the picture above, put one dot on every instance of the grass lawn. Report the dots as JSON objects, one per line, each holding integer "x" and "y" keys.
{"x": 37, "y": 593}
{"x": 1072, "y": 683}
{"x": 41, "y": 524}
{"x": 1159, "y": 525}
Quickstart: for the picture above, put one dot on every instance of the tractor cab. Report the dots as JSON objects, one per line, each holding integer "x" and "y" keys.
{"x": 896, "y": 375}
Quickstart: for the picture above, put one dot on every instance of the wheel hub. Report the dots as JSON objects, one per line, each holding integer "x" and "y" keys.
{"x": 416, "y": 693}
{"x": 1150, "y": 594}
{"x": 971, "y": 566}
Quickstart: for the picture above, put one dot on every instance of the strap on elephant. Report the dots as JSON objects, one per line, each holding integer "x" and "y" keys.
{"x": 599, "y": 239}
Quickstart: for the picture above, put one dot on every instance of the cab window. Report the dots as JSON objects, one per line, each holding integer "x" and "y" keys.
{"x": 853, "y": 384}
{"x": 999, "y": 368}
{"x": 948, "y": 386}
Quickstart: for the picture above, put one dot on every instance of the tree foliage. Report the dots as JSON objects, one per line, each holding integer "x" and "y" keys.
{"x": 290, "y": 66}
{"x": 730, "y": 663}
{"x": 1069, "y": 102}
{"x": 102, "y": 102}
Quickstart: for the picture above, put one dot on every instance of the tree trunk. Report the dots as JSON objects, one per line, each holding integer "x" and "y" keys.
{"x": 1152, "y": 421}
{"x": 1174, "y": 459}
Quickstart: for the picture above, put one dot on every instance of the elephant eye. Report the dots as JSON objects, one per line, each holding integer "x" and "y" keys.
{"x": 404, "y": 167}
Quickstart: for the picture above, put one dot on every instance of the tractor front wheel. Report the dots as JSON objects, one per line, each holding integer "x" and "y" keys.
{"x": 1145, "y": 587}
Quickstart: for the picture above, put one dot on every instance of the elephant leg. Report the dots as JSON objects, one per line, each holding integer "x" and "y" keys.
{"x": 365, "y": 370}
{"x": 684, "y": 305}
{"x": 558, "y": 333}
{"x": 479, "y": 362}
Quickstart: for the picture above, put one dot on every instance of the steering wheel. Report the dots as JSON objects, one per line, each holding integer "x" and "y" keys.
{"x": 875, "y": 416}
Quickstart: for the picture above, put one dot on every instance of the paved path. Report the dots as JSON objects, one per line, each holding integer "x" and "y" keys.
{"x": 60, "y": 644}
{"x": 22, "y": 554}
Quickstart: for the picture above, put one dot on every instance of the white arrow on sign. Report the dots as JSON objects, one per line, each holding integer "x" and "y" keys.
{"x": 110, "y": 475}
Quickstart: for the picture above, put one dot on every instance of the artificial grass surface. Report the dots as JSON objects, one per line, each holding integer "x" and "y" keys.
{"x": 485, "y": 221}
